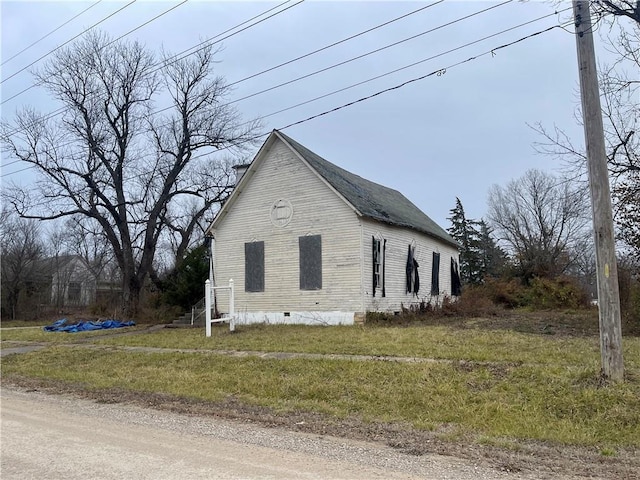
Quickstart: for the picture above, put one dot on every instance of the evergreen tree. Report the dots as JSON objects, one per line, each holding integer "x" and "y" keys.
{"x": 492, "y": 257}
{"x": 480, "y": 256}
{"x": 465, "y": 233}
{"x": 184, "y": 286}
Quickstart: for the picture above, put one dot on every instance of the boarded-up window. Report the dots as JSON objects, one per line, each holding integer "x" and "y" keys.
{"x": 310, "y": 262}
{"x": 254, "y": 267}
{"x": 435, "y": 274}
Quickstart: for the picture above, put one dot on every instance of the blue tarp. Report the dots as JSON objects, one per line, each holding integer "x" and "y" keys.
{"x": 85, "y": 326}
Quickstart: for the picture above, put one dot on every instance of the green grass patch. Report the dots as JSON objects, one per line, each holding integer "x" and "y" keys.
{"x": 439, "y": 342}
{"x": 37, "y": 334}
{"x": 533, "y": 402}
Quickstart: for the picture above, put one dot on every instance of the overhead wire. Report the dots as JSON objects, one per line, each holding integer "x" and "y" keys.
{"x": 326, "y": 47}
{"x": 331, "y": 45}
{"x": 50, "y": 33}
{"x": 396, "y": 70}
{"x": 352, "y": 59}
{"x": 377, "y": 50}
{"x": 68, "y": 41}
{"x": 37, "y": 84}
{"x": 208, "y": 41}
{"x": 437, "y": 72}
{"x": 62, "y": 109}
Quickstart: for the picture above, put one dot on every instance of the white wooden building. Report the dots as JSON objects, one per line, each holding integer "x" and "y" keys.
{"x": 306, "y": 241}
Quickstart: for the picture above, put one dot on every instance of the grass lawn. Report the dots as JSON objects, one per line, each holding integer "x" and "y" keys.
{"x": 425, "y": 341}
{"x": 27, "y": 332}
{"x": 500, "y": 384}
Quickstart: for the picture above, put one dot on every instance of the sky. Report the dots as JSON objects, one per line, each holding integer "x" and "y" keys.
{"x": 454, "y": 134}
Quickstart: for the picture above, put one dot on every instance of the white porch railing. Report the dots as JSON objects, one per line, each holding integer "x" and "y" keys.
{"x": 230, "y": 317}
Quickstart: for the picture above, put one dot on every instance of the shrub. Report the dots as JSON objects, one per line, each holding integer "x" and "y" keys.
{"x": 560, "y": 292}
{"x": 508, "y": 293}
{"x": 631, "y": 309}
{"x": 473, "y": 302}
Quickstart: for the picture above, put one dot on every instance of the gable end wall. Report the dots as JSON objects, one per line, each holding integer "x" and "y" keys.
{"x": 317, "y": 210}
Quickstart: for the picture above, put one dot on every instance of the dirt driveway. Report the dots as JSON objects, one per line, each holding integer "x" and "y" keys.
{"x": 60, "y": 437}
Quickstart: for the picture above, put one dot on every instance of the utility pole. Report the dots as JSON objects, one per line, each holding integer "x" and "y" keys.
{"x": 606, "y": 268}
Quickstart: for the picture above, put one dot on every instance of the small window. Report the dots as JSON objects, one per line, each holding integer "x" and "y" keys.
{"x": 456, "y": 284}
{"x": 378, "y": 256}
{"x": 74, "y": 293}
{"x": 254, "y": 267}
{"x": 310, "y": 262}
{"x": 435, "y": 274}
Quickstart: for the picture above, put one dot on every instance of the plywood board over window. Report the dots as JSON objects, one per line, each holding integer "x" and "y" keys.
{"x": 254, "y": 267}
{"x": 310, "y": 262}
{"x": 435, "y": 274}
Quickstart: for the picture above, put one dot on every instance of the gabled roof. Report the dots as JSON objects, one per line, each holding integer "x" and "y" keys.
{"x": 368, "y": 199}
{"x": 64, "y": 264}
{"x": 51, "y": 265}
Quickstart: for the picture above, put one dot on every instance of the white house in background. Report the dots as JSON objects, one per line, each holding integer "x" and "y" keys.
{"x": 306, "y": 241}
{"x": 67, "y": 280}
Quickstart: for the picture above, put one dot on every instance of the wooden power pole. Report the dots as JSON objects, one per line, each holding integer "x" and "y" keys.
{"x": 606, "y": 268}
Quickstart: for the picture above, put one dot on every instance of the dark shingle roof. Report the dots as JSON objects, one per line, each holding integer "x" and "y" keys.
{"x": 371, "y": 199}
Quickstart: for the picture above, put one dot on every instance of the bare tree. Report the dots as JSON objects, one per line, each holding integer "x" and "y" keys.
{"x": 620, "y": 99}
{"x": 21, "y": 249}
{"x": 539, "y": 220}
{"x": 618, "y": 8}
{"x": 112, "y": 162}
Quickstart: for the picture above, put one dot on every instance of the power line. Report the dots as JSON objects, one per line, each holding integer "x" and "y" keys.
{"x": 377, "y": 77}
{"x": 62, "y": 109}
{"x": 350, "y": 59}
{"x": 37, "y": 84}
{"x": 439, "y": 72}
{"x": 50, "y": 33}
{"x": 68, "y": 41}
{"x": 371, "y": 52}
{"x": 205, "y": 44}
{"x": 326, "y": 47}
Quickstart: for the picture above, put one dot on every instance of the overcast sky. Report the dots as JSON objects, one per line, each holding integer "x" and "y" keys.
{"x": 448, "y": 135}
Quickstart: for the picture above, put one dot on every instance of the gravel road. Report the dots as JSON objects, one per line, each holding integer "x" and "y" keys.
{"x": 58, "y": 437}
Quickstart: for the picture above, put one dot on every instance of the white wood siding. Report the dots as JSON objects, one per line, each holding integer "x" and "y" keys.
{"x": 398, "y": 240}
{"x": 317, "y": 210}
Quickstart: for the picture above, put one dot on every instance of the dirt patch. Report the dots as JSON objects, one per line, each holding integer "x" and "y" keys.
{"x": 583, "y": 323}
{"x": 543, "y": 460}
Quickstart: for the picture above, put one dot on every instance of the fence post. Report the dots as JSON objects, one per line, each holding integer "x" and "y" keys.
{"x": 207, "y": 307}
{"x": 232, "y": 312}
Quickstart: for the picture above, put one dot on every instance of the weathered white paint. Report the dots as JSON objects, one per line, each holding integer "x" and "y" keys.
{"x": 316, "y": 211}
{"x": 279, "y": 176}
{"x": 295, "y": 318}
{"x": 398, "y": 241}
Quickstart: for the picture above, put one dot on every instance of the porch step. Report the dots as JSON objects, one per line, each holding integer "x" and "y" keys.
{"x": 185, "y": 320}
